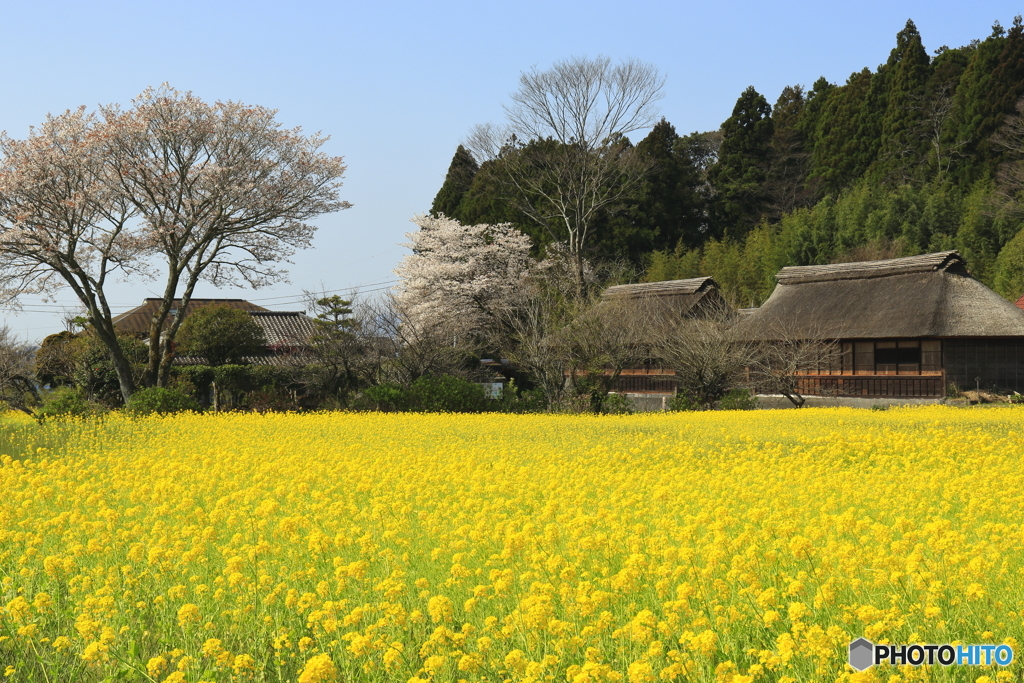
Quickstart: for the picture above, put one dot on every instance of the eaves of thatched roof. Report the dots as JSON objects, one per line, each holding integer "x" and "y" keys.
{"x": 931, "y": 295}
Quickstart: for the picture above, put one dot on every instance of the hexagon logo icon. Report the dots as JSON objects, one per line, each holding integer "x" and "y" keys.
{"x": 862, "y": 654}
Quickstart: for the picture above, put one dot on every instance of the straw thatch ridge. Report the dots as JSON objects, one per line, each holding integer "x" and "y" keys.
{"x": 925, "y": 263}
{"x": 920, "y": 296}
{"x": 693, "y": 285}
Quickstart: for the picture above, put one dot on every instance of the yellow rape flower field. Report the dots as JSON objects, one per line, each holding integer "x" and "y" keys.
{"x": 727, "y": 546}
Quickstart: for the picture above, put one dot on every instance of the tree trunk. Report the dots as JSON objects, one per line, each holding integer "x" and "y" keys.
{"x": 796, "y": 399}
{"x": 108, "y": 335}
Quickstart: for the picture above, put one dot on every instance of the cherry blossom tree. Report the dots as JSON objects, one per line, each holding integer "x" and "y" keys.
{"x": 195, "y": 191}
{"x": 61, "y": 225}
{"x": 461, "y": 276}
{"x": 224, "y": 194}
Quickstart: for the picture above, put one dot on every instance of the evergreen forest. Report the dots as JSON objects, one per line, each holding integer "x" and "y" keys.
{"x": 923, "y": 153}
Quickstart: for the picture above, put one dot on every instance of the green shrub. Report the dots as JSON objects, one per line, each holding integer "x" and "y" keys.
{"x": 738, "y": 399}
{"x": 617, "y": 404}
{"x": 273, "y": 400}
{"x": 383, "y": 397}
{"x": 160, "y": 400}
{"x": 516, "y": 400}
{"x": 446, "y": 394}
{"x": 66, "y": 401}
{"x": 683, "y": 401}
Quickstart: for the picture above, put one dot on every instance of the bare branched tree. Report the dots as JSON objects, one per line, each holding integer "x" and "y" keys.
{"x": 938, "y": 112}
{"x": 411, "y": 347}
{"x": 1010, "y": 137}
{"x": 563, "y": 154}
{"x": 585, "y": 101}
{"x": 533, "y": 331}
{"x": 603, "y": 340}
{"x": 533, "y": 343}
{"x": 17, "y": 382}
{"x": 702, "y": 347}
{"x": 782, "y": 367}
{"x": 789, "y": 360}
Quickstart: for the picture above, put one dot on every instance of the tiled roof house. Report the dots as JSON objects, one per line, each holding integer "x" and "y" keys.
{"x": 286, "y": 332}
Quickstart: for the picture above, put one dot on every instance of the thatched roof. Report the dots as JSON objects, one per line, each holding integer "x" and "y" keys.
{"x": 136, "y": 321}
{"x": 684, "y": 296}
{"x": 920, "y": 296}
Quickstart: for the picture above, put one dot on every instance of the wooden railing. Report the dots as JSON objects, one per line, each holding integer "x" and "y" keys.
{"x": 874, "y": 386}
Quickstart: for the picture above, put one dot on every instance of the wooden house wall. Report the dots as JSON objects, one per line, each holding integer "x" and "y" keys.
{"x": 999, "y": 363}
{"x": 991, "y": 362}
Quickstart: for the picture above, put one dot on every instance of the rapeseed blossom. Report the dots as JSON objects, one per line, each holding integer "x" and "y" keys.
{"x": 739, "y": 547}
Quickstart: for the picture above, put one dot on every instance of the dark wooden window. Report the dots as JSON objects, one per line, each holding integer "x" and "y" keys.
{"x": 891, "y": 354}
{"x": 897, "y": 357}
{"x": 864, "y": 358}
{"x": 931, "y": 355}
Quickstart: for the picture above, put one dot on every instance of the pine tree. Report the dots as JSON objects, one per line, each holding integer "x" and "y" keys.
{"x": 1005, "y": 88}
{"x": 742, "y": 169}
{"x": 457, "y": 182}
{"x": 486, "y": 200}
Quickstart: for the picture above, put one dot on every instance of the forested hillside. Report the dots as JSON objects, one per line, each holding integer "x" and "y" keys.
{"x": 923, "y": 153}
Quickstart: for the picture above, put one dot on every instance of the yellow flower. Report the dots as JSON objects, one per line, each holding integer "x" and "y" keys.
{"x": 188, "y": 614}
{"x": 440, "y": 609}
{"x": 243, "y": 664}
{"x": 156, "y": 665}
{"x": 641, "y": 672}
{"x": 319, "y": 669}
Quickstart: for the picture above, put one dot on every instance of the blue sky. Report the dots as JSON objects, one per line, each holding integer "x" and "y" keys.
{"x": 397, "y": 85}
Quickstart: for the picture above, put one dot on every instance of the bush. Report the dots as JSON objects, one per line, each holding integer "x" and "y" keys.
{"x": 738, "y": 399}
{"x": 274, "y": 400}
{"x": 67, "y": 401}
{"x": 446, "y": 394}
{"x": 516, "y": 400}
{"x": 386, "y": 398}
{"x": 683, "y": 401}
{"x": 160, "y": 400}
{"x": 617, "y": 404}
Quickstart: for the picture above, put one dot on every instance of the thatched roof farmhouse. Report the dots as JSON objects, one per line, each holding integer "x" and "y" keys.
{"x": 908, "y": 327}
{"x": 697, "y": 297}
